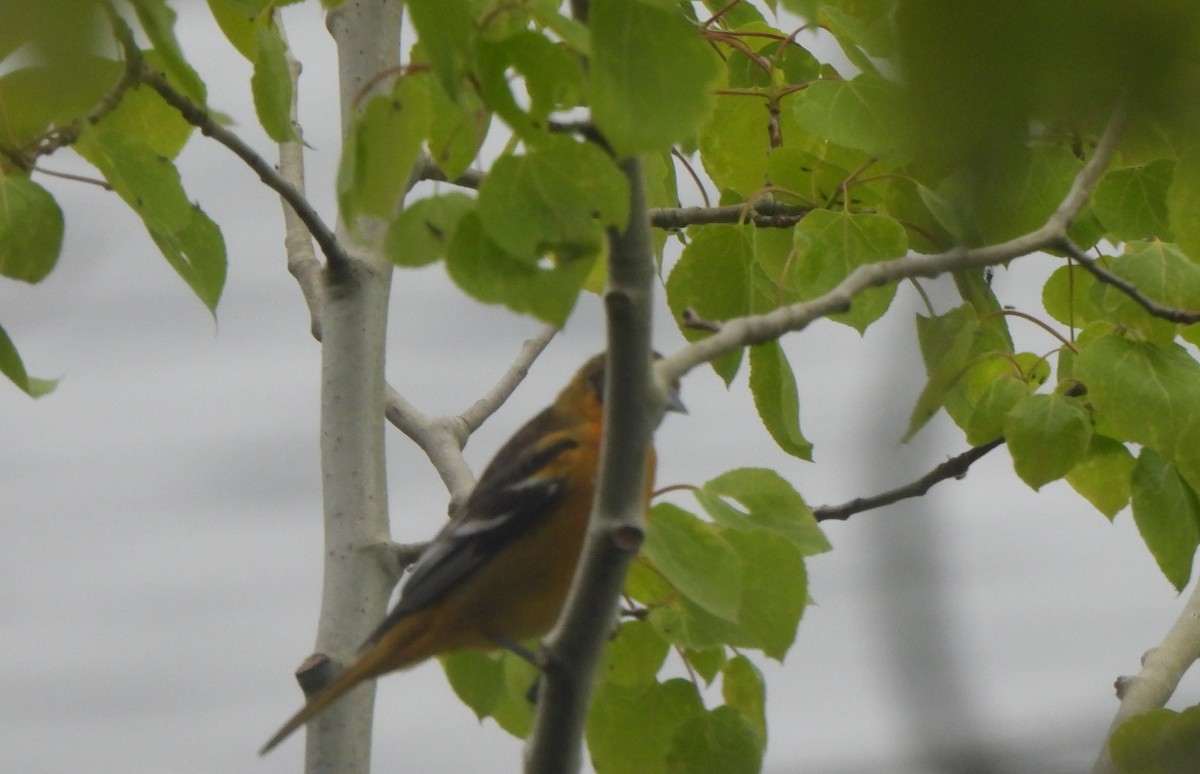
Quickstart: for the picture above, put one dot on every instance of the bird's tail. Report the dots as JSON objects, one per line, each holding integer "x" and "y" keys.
{"x": 371, "y": 664}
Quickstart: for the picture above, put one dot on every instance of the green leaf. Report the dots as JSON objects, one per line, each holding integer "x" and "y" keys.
{"x": 785, "y": 62}
{"x": 707, "y": 662}
{"x": 147, "y": 181}
{"x": 831, "y": 245}
{"x": 493, "y": 684}
{"x": 1003, "y": 202}
{"x": 718, "y": 742}
{"x": 380, "y": 148}
{"x": 457, "y": 129}
{"x": 35, "y": 98}
{"x": 477, "y": 678}
{"x": 420, "y": 234}
{"x": 766, "y": 501}
{"x": 150, "y": 184}
{"x": 1067, "y": 296}
{"x": 861, "y": 113}
{"x": 551, "y": 75}
{"x": 864, "y": 24}
{"x": 774, "y": 593}
{"x": 961, "y": 63}
{"x": 1182, "y": 196}
{"x": 1004, "y": 390}
{"x": 560, "y": 196}
{"x": 237, "y": 24}
{"x": 644, "y": 584}
{"x": 652, "y": 75}
{"x": 158, "y": 20}
{"x": 1160, "y": 272}
{"x": 736, "y": 16}
{"x": 813, "y": 180}
{"x": 1047, "y": 436}
{"x": 629, "y": 729}
{"x": 514, "y": 712}
{"x": 1167, "y": 515}
{"x": 743, "y": 688}
{"x": 1145, "y": 394}
{"x": 13, "y": 367}
{"x": 905, "y": 201}
{"x": 38, "y": 27}
{"x": 197, "y": 252}
{"x": 144, "y": 117}
{"x": 735, "y": 144}
{"x": 712, "y": 278}
{"x": 271, "y": 82}
{"x": 634, "y": 656}
{"x": 1132, "y": 202}
{"x": 1160, "y": 741}
{"x": 774, "y": 252}
{"x": 693, "y": 556}
{"x": 946, "y": 342}
{"x": 774, "y": 590}
{"x": 569, "y": 30}
{"x": 31, "y": 229}
{"x": 447, "y": 32}
{"x": 775, "y": 396}
{"x": 141, "y": 114}
{"x": 1103, "y": 475}
{"x": 490, "y": 274}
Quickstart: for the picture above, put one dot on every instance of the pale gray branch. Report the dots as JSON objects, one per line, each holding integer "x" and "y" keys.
{"x": 356, "y": 585}
{"x": 755, "y": 329}
{"x": 572, "y": 650}
{"x": 297, "y": 242}
{"x": 443, "y": 438}
{"x": 1087, "y": 178}
{"x": 1162, "y": 669}
{"x": 479, "y": 411}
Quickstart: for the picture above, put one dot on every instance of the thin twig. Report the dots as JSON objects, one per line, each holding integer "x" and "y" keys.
{"x": 68, "y": 176}
{"x": 1030, "y": 318}
{"x": 427, "y": 169}
{"x": 199, "y": 118}
{"x": 764, "y": 214}
{"x": 1093, "y": 267}
{"x": 687, "y": 165}
{"x": 443, "y": 438}
{"x": 955, "y": 467}
{"x": 478, "y": 412}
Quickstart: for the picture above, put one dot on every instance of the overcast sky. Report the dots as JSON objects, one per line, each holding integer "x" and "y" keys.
{"x": 160, "y": 544}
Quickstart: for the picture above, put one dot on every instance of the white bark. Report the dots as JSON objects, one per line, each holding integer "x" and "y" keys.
{"x": 1162, "y": 669}
{"x": 357, "y": 581}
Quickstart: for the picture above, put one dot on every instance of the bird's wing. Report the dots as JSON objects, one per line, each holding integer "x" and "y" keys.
{"x": 516, "y": 491}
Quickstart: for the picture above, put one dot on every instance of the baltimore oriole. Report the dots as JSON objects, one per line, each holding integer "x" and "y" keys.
{"x": 499, "y": 571}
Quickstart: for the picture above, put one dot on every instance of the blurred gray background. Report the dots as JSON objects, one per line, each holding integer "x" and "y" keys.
{"x": 160, "y": 545}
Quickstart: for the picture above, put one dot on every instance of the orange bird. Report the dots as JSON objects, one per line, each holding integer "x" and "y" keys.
{"x": 499, "y": 571}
